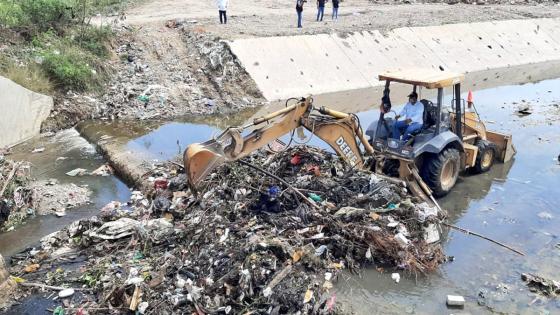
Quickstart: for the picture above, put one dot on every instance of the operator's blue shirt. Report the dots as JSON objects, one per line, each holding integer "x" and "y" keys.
{"x": 413, "y": 112}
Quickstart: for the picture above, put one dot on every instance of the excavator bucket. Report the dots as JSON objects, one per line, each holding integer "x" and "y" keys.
{"x": 504, "y": 145}
{"x": 200, "y": 159}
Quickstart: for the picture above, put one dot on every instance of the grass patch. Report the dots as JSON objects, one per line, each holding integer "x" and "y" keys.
{"x": 33, "y": 16}
{"x": 29, "y": 75}
{"x": 58, "y": 33}
{"x": 94, "y": 39}
{"x": 72, "y": 68}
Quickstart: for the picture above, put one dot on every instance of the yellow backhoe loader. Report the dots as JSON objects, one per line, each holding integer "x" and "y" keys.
{"x": 449, "y": 148}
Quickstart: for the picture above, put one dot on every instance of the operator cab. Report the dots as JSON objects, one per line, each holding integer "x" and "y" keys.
{"x": 435, "y": 121}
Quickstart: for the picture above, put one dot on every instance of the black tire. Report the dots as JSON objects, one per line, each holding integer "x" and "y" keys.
{"x": 441, "y": 171}
{"x": 391, "y": 167}
{"x": 485, "y": 157}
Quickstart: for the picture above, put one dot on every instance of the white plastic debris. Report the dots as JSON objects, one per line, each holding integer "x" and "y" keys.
{"x": 455, "y": 300}
{"x": 65, "y": 293}
{"x": 402, "y": 240}
{"x": 38, "y": 150}
{"x": 77, "y": 172}
{"x": 431, "y": 234}
{"x": 136, "y": 196}
{"x": 396, "y": 277}
{"x": 267, "y": 292}
{"x": 103, "y": 170}
{"x": 224, "y": 237}
{"x": 403, "y": 230}
{"x": 425, "y": 211}
{"x": 318, "y": 236}
{"x": 142, "y": 307}
{"x": 328, "y": 276}
{"x": 373, "y": 179}
{"x": 320, "y": 250}
{"x": 113, "y": 230}
{"x": 180, "y": 282}
{"x": 135, "y": 280}
{"x": 239, "y": 193}
{"x": 545, "y": 215}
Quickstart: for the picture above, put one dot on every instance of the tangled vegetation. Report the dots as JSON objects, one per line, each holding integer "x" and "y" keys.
{"x": 56, "y": 46}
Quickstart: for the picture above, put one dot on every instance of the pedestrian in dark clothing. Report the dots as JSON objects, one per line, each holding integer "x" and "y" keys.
{"x": 299, "y": 10}
{"x": 320, "y": 9}
{"x": 222, "y": 7}
{"x": 335, "y": 9}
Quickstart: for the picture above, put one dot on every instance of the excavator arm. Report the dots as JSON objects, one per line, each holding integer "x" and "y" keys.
{"x": 340, "y": 130}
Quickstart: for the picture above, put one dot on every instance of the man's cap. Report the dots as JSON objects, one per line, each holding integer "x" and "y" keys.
{"x": 413, "y": 94}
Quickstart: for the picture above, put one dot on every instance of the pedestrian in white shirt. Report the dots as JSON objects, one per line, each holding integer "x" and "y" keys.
{"x": 413, "y": 113}
{"x": 222, "y": 7}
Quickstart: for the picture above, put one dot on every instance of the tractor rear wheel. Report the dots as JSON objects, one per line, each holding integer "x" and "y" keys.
{"x": 441, "y": 171}
{"x": 485, "y": 156}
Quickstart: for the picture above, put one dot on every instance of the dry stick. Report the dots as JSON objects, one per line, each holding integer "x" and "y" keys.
{"x": 279, "y": 277}
{"x": 9, "y": 178}
{"x": 282, "y": 181}
{"x": 44, "y": 286}
{"x": 474, "y": 233}
{"x": 483, "y": 237}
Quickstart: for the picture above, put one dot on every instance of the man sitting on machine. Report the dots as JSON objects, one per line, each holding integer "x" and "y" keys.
{"x": 413, "y": 113}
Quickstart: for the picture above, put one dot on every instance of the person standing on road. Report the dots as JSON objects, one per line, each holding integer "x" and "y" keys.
{"x": 335, "y": 9}
{"x": 299, "y": 10}
{"x": 222, "y": 7}
{"x": 320, "y": 9}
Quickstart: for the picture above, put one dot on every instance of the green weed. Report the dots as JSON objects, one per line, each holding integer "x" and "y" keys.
{"x": 28, "y": 75}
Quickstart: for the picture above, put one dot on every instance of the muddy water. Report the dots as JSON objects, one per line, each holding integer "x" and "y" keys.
{"x": 515, "y": 202}
{"x": 76, "y": 153}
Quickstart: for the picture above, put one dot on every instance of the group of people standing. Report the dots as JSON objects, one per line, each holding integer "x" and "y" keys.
{"x": 223, "y": 4}
{"x": 320, "y": 10}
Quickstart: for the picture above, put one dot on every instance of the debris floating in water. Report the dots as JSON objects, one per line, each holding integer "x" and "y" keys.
{"x": 247, "y": 242}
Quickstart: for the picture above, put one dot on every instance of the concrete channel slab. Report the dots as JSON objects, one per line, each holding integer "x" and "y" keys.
{"x": 316, "y": 64}
{"x": 364, "y": 52}
{"x": 550, "y": 27}
{"x": 23, "y": 112}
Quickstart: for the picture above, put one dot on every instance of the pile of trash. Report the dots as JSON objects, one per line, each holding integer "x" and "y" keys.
{"x": 51, "y": 197}
{"x": 14, "y": 193}
{"x": 172, "y": 75}
{"x": 22, "y": 197}
{"x": 536, "y": 283}
{"x": 244, "y": 243}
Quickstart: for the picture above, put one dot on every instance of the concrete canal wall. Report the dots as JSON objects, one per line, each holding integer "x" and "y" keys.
{"x": 293, "y": 66}
{"x": 21, "y": 112}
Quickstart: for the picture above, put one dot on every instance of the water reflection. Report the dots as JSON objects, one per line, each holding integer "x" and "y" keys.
{"x": 75, "y": 153}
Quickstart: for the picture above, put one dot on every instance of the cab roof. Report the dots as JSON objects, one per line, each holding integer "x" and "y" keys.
{"x": 428, "y": 78}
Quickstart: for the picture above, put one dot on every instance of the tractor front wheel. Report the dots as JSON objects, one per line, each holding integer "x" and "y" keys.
{"x": 441, "y": 171}
{"x": 391, "y": 167}
{"x": 485, "y": 156}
